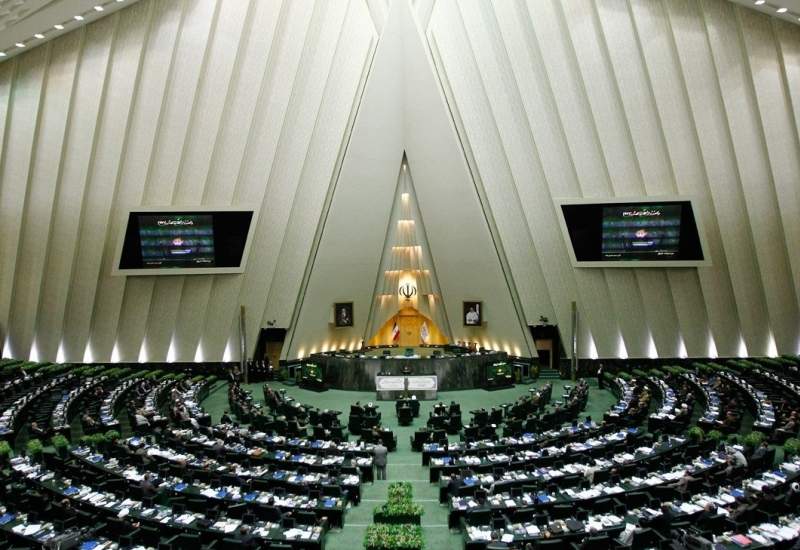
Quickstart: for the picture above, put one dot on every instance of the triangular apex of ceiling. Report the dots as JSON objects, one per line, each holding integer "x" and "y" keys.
{"x": 403, "y": 109}
{"x": 407, "y": 291}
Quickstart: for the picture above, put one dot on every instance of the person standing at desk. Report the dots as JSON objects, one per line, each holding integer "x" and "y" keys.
{"x": 380, "y": 453}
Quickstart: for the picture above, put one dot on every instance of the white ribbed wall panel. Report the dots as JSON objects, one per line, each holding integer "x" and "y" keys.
{"x": 189, "y": 102}
{"x": 616, "y": 98}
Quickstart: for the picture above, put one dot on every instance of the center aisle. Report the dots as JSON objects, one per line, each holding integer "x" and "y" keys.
{"x": 404, "y": 464}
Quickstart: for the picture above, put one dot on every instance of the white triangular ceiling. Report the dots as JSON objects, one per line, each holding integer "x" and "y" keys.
{"x": 403, "y": 109}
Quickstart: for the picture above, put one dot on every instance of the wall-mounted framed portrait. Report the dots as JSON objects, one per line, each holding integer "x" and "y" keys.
{"x": 473, "y": 314}
{"x": 343, "y": 314}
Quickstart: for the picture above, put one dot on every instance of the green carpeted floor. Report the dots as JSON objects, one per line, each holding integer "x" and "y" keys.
{"x": 404, "y": 464}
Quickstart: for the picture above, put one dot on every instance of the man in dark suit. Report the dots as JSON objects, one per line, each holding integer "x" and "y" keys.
{"x": 380, "y": 453}
{"x": 147, "y": 486}
{"x": 246, "y": 537}
{"x": 760, "y": 452}
{"x": 453, "y": 485}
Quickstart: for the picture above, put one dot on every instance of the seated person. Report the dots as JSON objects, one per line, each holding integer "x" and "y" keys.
{"x": 682, "y": 485}
{"x": 761, "y": 451}
{"x": 790, "y": 426}
{"x": 246, "y": 537}
{"x": 731, "y": 421}
{"x": 140, "y": 418}
{"x": 88, "y": 422}
{"x": 36, "y": 431}
{"x": 147, "y": 486}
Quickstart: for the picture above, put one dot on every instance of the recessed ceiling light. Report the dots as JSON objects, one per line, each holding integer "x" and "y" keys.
{"x": 760, "y": 2}
{"x": 19, "y": 45}
{"x": 38, "y": 35}
{"x": 2, "y": 54}
{"x": 98, "y": 8}
{"x": 59, "y": 27}
{"x": 783, "y": 10}
{"x": 78, "y": 18}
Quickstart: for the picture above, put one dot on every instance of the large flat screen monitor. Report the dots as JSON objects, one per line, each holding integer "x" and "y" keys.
{"x": 169, "y": 241}
{"x": 632, "y": 233}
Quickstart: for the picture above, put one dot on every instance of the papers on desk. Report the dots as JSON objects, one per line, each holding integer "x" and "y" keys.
{"x": 787, "y": 533}
{"x": 29, "y": 530}
{"x": 295, "y": 533}
{"x": 226, "y": 526}
{"x": 184, "y": 519}
{"x": 688, "y": 508}
{"x": 594, "y": 525}
{"x": 475, "y": 533}
{"x": 532, "y": 530}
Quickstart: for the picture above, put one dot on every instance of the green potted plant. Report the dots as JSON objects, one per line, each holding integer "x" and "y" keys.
{"x": 716, "y": 436}
{"x": 753, "y": 440}
{"x": 398, "y": 511}
{"x": 400, "y": 489}
{"x": 100, "y": 441}
{"x": 394, "y": 537}
{"x": 112, "y": 436}
{"x": 5, "y": 452}
{"x": 791, "y": 447}
{"x": 96, "y": 441}
{"x": 60, "y": 444}
{"x": 695, "y": 434}
{"x": 34, "y": 449}
{"x": 399, "y": 508}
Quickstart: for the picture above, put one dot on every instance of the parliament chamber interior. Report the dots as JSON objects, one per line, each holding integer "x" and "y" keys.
{"x": 399, "y": 274}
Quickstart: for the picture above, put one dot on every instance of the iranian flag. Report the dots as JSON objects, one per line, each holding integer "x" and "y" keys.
{"x": 395, "y": 331}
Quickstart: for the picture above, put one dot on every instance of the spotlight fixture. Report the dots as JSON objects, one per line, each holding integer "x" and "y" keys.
{"x": 782, "y": 10}
{"x": 96, "y": 11}
{"x": 760, "y": 2}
